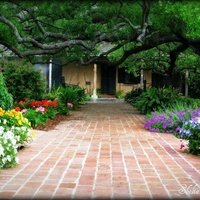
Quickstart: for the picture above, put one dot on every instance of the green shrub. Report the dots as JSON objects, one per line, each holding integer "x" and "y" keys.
{"x": 119, "y": 94}
{"x": 40, "y": 115}
{"x": 23, "y": 80}
{"x": 153, "y": 99}
{"x": 130, "y": 97}
{"x": 54, "y": 94}
{"x": 72, "y": 94}
{"x": 6, "y": 100}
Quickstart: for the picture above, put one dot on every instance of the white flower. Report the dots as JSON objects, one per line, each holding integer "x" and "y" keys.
{"x": 4, "y": 160}
{"x": 13, "y": 141}
{"x": 23, "y": 128}
{"x": 8, "y": 158}
{"x": 16, "y": 159}
{"x": 197, "y": 119}
{"x": 1, "y": 150}
{"x": 9, "y": 135}
{"x": 4, "y": 121}
{"x": 1, "y": 130}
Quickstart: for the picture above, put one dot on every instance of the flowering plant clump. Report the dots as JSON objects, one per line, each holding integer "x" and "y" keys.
{"x": 166, "y": 122}
{"x": 38, "y": 112}
{"x": 13, "y": 118}
{"x": 14, "y": 132}
{"x": 8, "y": 149}
{"x": 43, "y": 103}
{"x": 184, "y": 124}
{"x": 190, "y": 131}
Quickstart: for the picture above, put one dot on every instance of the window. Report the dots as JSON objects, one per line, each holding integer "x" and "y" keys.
{"x": 124, "y": 77}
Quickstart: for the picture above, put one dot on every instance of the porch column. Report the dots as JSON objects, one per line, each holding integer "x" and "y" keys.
{"x": 186, "y": 84}
{"x": 50, "y": 75}
{"x": 141, "y": 78}
{"x": 142, "y": 74}
{"x": 94, "y": 95}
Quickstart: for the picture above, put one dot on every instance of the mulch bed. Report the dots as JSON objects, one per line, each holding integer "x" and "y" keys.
{"x": 52, "y": 123}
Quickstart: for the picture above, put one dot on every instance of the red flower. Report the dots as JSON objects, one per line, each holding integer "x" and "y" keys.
{"x": 44, "y": 103}
{"x": 35, "y": 104}
{"x": 53, "y": 103}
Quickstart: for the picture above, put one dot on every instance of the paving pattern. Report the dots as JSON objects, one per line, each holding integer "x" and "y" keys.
{"x": 102, "y": 151}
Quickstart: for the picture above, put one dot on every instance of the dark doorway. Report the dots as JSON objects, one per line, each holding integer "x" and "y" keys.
{"x": 108, "y": 80}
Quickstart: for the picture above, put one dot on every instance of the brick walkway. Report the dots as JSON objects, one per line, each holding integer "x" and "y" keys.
{"x": 103, "y": 151}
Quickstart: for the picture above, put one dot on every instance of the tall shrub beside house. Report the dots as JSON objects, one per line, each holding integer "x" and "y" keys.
{"x": 6, "y": 100}
{"x": 23, "y": 80}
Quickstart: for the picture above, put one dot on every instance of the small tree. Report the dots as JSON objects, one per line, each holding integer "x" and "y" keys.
{"x": 6, "y": 100}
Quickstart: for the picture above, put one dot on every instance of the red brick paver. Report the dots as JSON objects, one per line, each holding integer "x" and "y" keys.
{"x": 103, "y": 151}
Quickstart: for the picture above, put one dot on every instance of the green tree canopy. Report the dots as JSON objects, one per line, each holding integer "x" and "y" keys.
{"x": 98, "y": 31}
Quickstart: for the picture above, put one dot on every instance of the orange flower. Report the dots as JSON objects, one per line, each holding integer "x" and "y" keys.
{"x": 18, "y": 109}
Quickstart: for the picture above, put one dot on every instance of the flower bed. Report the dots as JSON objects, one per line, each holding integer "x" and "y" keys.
{"x": 39, "y": 113}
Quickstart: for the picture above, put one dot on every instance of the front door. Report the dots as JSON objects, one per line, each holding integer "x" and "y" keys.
{"x": 108, "y": 80}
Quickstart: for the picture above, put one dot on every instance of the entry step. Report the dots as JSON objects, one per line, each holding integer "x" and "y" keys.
{"x": 106, "y": 100}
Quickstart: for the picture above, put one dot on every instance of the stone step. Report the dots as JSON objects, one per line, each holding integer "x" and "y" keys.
{"x": 106, "y": 100}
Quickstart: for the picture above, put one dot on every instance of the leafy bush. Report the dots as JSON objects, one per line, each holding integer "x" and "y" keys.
{"x": 130, "y": 97}
{"x": 153, "y": 99}
{"x": 72, "y": 94}
{"x": 23, "y": 80}
{"x": 54, "y": 94}
{"x": 6, "y": 100}
{"x": 119, "y": 94}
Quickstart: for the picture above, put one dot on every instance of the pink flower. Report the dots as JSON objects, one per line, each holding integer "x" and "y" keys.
{"x": 40, "y": 109}
{"x": 69, "y": 105}
{"x": 24, "y": 111}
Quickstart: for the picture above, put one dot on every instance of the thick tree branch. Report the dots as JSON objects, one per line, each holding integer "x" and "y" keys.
{"x": 145, "y": 47}
{"x": 11, "y": 48}
{"x": 194, "y": 43}
{"x": 56, "y": 46}
{"x": 144, "y": 23}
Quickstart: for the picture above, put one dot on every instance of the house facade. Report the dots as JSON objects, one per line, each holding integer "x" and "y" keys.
{"x": 92, "y": 77}
{"x": 108, "y": 80}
